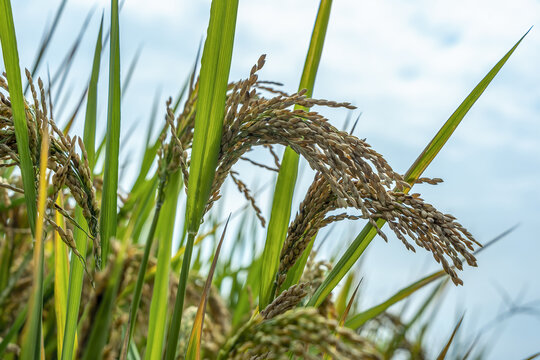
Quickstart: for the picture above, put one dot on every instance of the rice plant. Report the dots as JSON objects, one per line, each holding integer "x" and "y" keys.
{"x": 88, "y": 272}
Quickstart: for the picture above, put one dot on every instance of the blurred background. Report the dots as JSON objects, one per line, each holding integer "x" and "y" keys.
{"x": 406, "y": 65}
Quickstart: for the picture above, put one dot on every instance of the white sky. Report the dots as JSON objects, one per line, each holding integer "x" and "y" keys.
{"x": 406, "y": 65}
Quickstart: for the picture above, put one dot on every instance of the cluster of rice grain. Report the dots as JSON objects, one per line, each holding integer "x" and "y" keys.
{"x": 302, "y": 332}
{"x": 349, "y": 174}
{"x": 69, "y": 169}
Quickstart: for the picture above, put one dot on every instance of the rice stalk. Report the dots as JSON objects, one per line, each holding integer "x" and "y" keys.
{"x": 168, "y": 189}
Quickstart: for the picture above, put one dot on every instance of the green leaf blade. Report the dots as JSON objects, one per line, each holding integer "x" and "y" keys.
{"x": 444, "y": 351}
{"x": 360, "y": 319}
{"x": 61, "y": 281}
{"x": 193, "y": 351}
{"x": 284, "y": 190}
{"x": 160, "y": 295}
{"x": 13, "y": 72}
{"x": 91, "y": 103}
{"x": 110, "y": 178}
{"x": 215, "y": 67}
{"x": 76, "y": 275}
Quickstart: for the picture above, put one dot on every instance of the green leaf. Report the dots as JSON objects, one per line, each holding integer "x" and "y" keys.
{"x": 144, "y": 205}
{"x": 214, "y": 76}
{"x": 194, "y": 345}
{"x": 91, "y": 103}
{"x": 77, "y": 268}
{"x": 61, "y": 280}
{"x": 21, "y": 316}
{"x": 360, "y": 319}
{"x": 131, "y": 70}
{"x": 356, "y": 249}
{"x": 150, "y": 151}
{"x": 215, "y": 67}
{"x": 48, "y": 35}
{"x": 350, "y": 303}
{"x": 137, "y": 292}
{"x": 101, "y": 321}
{"x": 396, "y": 341}
{"x": 61, "y": 75}
{"x": 32, "y": 334}
{"x": 277, "y": 226}
{"x": 13, "y": 72}
{"x": 75, "y": 287}
{"x": 14, "y": 330}
{"x": 341, "y": 300}
{"x": 6, "y": 259}
{"x": 283, "y": 193}
{"x": 14, "y": 278}
{"x": 444, "y": 351}
{"x": 160, "y": 295}
{"x": 110, "y": 177}
{"x": 251, "y": 288}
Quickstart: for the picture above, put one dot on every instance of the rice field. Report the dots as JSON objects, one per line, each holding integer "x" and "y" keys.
{"x": 90, "y": 270}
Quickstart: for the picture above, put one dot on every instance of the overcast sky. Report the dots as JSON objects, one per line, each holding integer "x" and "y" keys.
{"x": 406, "y": 65}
